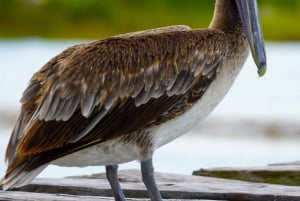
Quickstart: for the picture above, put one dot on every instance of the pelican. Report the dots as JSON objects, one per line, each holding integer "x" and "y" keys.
{"x": 116, "y": 100}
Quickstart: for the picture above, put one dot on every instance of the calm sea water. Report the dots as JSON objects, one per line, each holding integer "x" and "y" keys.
{"x": 273, "y": 97}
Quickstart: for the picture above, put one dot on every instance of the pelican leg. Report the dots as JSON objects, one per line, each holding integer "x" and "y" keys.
{"x": 149, "y": 181}
{"x": 112, "y": 177}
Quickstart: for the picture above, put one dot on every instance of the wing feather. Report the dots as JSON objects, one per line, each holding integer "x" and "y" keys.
{"x": 118, "y": 78}
{"x": 100, "y": 90}
{"x": 87, "y": 104}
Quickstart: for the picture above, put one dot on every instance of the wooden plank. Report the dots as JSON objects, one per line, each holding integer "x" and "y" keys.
{"x": 274, "y": 174}
{"x": 172, "y": 186}
{"x": 28, "y": 196}
{"x": 22, "y": 196}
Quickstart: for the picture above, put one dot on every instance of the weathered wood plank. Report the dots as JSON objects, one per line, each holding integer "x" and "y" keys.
{"x": 274, "y": 174}
{"x": 172, "y": 186}
{"x": 27, "y": 196}
{"x": 22, "y": 196}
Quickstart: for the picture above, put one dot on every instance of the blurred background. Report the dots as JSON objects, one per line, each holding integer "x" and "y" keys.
{"x": 74, "y": 19}
{"x": 256, "y": 124}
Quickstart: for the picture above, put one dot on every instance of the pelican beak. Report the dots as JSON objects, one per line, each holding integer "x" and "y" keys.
{"x": 248, "y": 11}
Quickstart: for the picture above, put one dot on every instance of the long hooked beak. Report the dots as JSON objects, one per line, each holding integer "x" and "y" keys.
{"x": 250, "y": 18}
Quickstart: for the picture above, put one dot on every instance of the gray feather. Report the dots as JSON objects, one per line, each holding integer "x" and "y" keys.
{"x": 43, "y": 111}
{"x": 52, "y": 107}
{"x": 70, "y": 107}
{"x": 31, "y": 91}
{"x": 87, "y": 104}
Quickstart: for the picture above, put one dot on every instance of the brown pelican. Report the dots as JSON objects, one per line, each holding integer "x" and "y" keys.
{"x": 116, "y": 100}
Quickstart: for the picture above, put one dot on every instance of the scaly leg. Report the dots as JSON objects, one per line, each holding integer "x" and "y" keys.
{"x": 148, "y": 179}
{"x": 112, "y": 177}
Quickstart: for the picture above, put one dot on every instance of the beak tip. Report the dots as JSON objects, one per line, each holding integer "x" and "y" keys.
{"x": 262, "y": 70}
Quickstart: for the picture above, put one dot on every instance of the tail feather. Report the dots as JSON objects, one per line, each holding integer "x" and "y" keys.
{"x": 22, "y": 169}
{"x": 20, "y": 176}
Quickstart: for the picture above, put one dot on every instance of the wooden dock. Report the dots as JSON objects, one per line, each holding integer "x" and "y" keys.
{"x": 173, "y": 187}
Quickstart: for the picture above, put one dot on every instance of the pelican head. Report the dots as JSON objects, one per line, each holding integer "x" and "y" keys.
{"x": 249, "y": 15}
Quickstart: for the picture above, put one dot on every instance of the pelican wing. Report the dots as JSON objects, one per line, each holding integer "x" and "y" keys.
{"x": 97, "y": 91}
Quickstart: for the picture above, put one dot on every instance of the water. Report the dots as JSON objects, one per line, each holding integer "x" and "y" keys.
{"x": 273, "y": 97}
